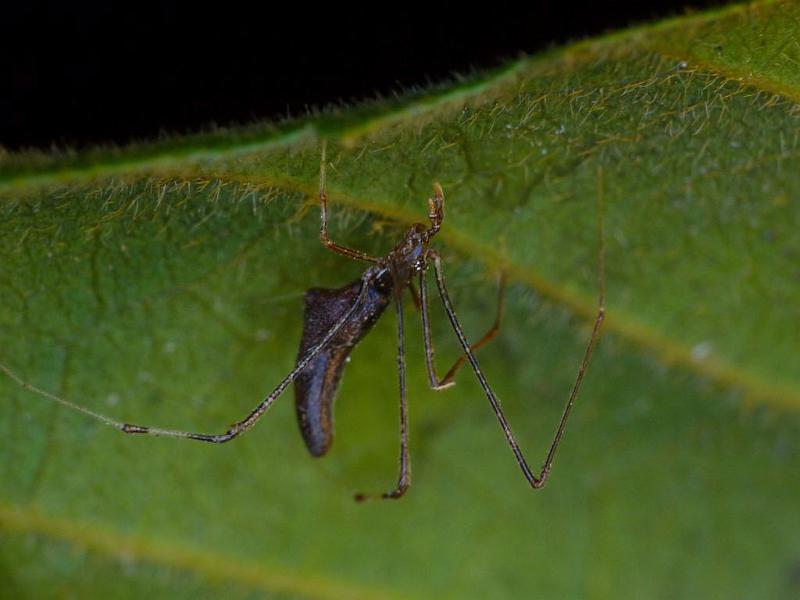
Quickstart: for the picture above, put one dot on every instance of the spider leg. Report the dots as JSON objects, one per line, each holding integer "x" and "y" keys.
{"x": 535, "y": 481}
{"x": 447, "y": 381}
{"x": 404, "y": 478}
{"x": 323, "y": 230}
{"x": 234, "y": 430}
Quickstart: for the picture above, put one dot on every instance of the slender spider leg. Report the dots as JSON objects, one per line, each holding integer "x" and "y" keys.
{"x": 323, "y": 230}
{"x": 234, "y": 430}
{"x": 448, "y": 380}
{"x": 488, "y": 336}
{"x": 404, "y": 479}
{"x": 544, "y": 474}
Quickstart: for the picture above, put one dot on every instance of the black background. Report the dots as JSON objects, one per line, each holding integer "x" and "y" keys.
{"x": 96, "y": 73}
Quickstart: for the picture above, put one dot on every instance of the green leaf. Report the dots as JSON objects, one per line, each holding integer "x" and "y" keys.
{"x": 163, "y": 285}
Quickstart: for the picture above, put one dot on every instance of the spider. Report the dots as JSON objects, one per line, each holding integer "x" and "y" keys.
{"x": 335, "y": 320}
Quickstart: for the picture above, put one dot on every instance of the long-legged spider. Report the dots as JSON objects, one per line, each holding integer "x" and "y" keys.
{"x": 336, "y": 320}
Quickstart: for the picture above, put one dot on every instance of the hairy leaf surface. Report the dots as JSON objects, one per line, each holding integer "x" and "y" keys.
{"x": 163, "y": 285}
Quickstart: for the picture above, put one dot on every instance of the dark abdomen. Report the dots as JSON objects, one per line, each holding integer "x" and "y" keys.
{"x": 315, "y": 387}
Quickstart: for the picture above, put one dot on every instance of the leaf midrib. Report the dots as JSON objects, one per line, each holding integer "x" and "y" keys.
{"x": 758, "y": 389}
{"x": 246, "y": 574}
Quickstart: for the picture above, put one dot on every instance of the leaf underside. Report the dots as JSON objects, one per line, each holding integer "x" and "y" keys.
{"x": 163, "y": 285}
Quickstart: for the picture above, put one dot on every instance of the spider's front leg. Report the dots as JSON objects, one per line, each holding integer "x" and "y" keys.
{"x": 323, "y": 230}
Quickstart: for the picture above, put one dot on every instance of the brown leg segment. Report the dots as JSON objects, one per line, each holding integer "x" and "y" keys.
{"x": 447, "y": 381}
{"x": 323, "y": 230}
